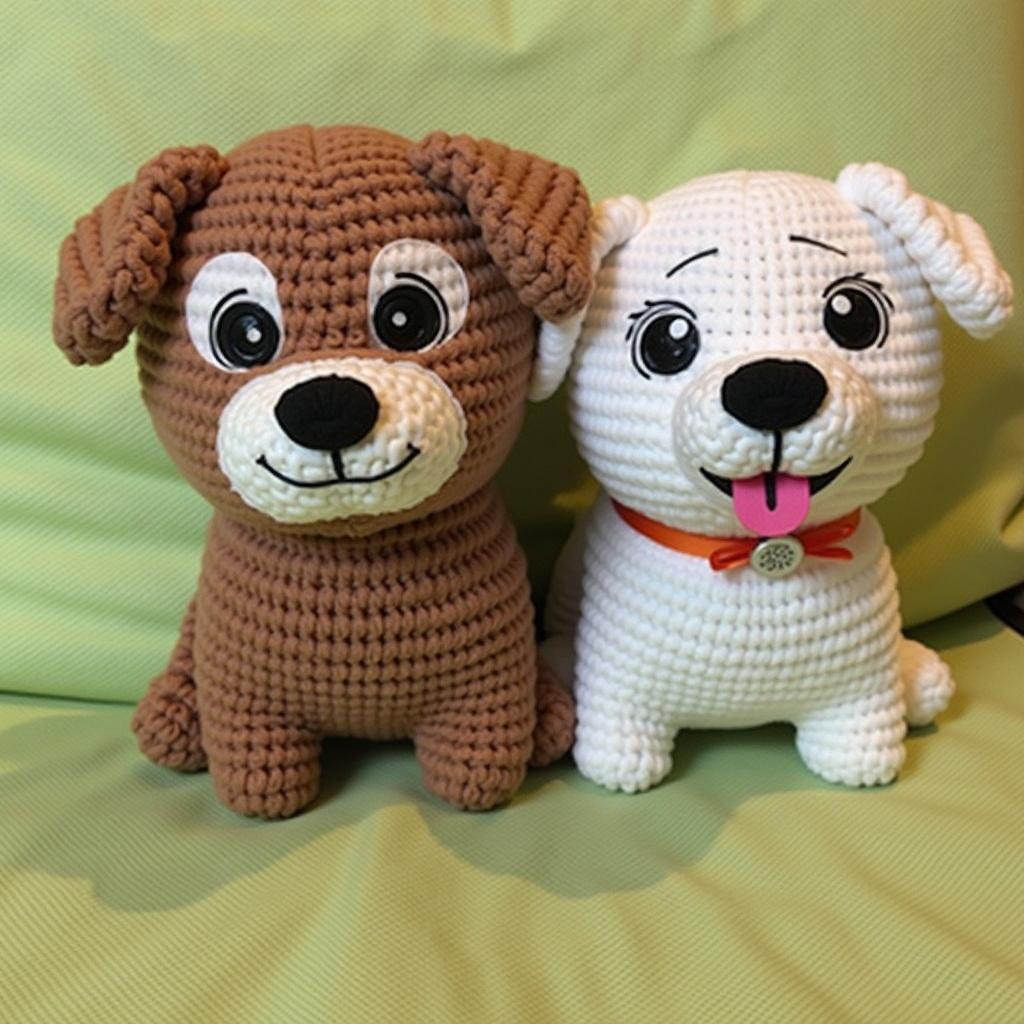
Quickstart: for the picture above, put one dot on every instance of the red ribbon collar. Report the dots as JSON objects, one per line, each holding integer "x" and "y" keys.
{"x": 733, "y": 552}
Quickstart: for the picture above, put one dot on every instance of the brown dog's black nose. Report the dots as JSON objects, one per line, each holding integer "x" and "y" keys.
{"x": 327, "y": 413}
{"x": 774, "y": 394}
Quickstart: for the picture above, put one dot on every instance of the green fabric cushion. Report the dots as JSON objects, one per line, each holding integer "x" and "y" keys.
{"x": 742, "y": 889}
{"x": 99, "y": 539}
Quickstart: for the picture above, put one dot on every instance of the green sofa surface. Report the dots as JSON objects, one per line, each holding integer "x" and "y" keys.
{"x": 743, "y": 888}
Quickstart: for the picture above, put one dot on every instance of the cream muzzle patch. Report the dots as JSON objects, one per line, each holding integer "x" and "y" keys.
{"x": 378, "y": 437}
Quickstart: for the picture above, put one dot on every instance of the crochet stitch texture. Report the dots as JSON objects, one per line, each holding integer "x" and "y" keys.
{"x": 336, "y": 336}
{"x": 760, "y": 347}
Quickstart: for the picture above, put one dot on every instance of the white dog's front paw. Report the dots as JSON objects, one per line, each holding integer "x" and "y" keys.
{"x": 622, "y": 756}
{"x": 850, "y": 761}
{"x": 927, "y": 682}
{"x": 859, "y": 744}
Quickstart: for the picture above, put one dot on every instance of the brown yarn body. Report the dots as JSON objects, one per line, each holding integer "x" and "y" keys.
{"x": 424, "y": 633}
{"x": 415, "y": 623}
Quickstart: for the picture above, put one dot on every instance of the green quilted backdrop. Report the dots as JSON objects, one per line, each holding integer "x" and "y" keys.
{"x": 744, "y": 888}
{"x": 99, "y": 540}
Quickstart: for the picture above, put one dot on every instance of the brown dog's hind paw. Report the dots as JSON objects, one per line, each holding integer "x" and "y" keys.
{"x": 556, "y": 719}
{"x": 166, "y": 723}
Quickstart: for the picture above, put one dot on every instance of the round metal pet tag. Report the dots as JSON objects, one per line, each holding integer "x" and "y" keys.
{"x": 776, "y": 557}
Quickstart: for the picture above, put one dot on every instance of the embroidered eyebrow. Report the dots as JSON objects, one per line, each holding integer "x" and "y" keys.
{"x": 820, "y": 245}
{"x": 690, "y": 259}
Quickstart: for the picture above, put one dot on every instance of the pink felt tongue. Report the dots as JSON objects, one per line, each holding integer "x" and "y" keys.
{"x": 750, "y": 501}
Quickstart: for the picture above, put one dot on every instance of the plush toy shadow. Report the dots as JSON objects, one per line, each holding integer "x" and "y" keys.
{"x": 147, "y": 840}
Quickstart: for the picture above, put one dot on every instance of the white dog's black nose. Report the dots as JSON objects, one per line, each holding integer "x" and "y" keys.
{"x": 327, "y": 413}
{"x": 774, "y": 394}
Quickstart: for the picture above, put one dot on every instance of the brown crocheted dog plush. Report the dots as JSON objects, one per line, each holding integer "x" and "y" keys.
{"x": 336, "y": 332}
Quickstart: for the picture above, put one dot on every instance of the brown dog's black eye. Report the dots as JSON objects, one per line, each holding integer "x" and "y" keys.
{"x": 243, "y": 335}
{"x": 410, "y": 316}
{"x": 855, "y": 315}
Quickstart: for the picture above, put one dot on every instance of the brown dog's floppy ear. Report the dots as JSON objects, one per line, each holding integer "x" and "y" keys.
{"x": 115, "y": 261}
{"x": 533, "y": 214}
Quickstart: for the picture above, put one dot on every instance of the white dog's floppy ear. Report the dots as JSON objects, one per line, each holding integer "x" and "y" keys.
{"x": 951, "y": 249}
{"x": 615, "y": 222}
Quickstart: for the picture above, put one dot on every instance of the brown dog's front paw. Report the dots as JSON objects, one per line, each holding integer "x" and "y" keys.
{"x": 474, "y": 769}
{"x": 166, "y": 723}
{"x": 472, "y": 787}
{"x": 264, "y": 769}
{"x": 268, "y": 792}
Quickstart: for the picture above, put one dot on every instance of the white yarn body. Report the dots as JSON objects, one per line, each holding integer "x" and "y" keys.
{"x": 663, "y": 643}
{"x": 751, "y": 264}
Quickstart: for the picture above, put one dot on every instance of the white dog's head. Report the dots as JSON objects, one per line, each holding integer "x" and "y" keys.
{"x": 760, "y": 353}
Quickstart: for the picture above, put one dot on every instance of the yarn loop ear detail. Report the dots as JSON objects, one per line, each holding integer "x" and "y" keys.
{"x": 951, "y": 248}
{"x": 615, "y": 222}
{"x": 115, "y": 261}
{"x": 534, "y": 215}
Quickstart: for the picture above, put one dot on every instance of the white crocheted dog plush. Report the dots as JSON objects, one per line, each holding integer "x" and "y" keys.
{"x": 760, "y": 361}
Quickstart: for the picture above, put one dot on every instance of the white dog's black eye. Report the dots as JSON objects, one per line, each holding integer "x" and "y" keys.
{"x": 411, "y": 315}
{"x": 855, "y": 314}
{"x": 242, "y": 333}
{"x": 665, "y": 338}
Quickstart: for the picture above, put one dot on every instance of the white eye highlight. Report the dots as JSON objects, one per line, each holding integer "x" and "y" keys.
{"x": 233, "y": 313}
{"x": 418, "y": 296}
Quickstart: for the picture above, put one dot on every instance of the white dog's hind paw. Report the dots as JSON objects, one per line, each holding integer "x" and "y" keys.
{"x": 927, "y": 682}
{"x": 618, "y": 757}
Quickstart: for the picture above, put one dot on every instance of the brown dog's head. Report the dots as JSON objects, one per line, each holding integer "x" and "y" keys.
{"x": 336, "y": 326}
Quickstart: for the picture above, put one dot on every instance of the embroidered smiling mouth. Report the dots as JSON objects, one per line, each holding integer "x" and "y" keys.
{"x": 817, "y": 483}
{"x": 339, "y": 468}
